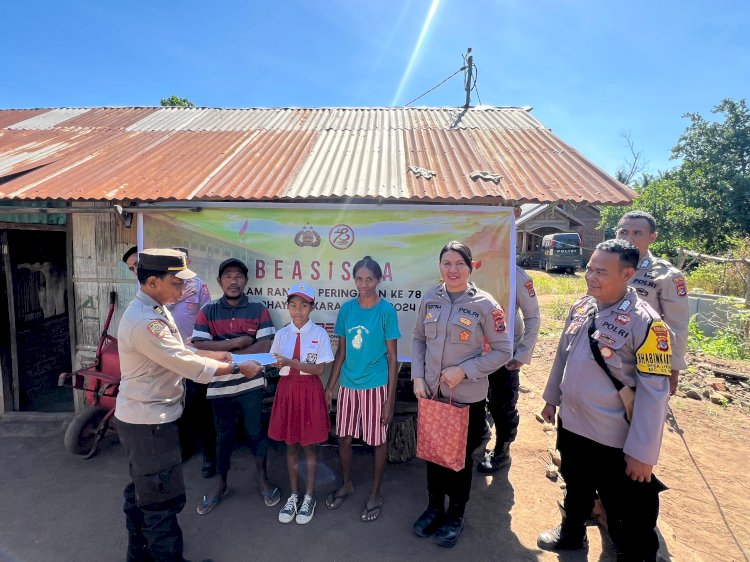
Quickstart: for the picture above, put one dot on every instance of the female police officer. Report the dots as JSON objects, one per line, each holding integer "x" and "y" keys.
{"x": 453, "y": 321}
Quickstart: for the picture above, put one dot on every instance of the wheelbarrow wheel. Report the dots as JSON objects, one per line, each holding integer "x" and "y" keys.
{"x": 85, "y": 431}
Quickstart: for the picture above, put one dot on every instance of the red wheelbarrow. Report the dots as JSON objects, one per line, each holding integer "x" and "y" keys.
{"x": 100, "y": 382}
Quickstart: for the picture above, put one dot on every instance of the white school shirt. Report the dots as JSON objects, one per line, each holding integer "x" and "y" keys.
{"x": 315, "y": 345}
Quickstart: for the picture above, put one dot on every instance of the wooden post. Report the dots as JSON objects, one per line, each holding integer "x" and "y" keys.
{"x": 13, "y": 399}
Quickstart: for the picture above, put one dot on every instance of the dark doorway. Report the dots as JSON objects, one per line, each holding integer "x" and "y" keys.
{"x": 35, "y": 269}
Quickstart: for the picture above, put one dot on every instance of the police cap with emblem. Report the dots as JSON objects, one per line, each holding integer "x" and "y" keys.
{"x": 167, "y": 260}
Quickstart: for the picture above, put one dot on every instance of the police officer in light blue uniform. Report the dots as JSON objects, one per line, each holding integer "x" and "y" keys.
{"x": 154, "y": 363}
{"x": 610, "y": 380}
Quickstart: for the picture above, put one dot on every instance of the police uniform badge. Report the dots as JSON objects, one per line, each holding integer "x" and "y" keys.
{"x": 498, "y": 316}
{"x": 574, "y": 325}
{"x": 681, "y": 287}
{"x": 158, "y": 329}
{"x": 654, "y": 356}
{"x": 530, "y": 288}
{"x": 464, "y": 335}
{"x": 604, "y": 338}
{"x": 606, "y": 352}
{"x": 428, "y": 316}
{"x": 622, "y": 319}
{"x": 624, "y": 305}
{"x": 465, "y": 321}
{"x": 645, "y": 264}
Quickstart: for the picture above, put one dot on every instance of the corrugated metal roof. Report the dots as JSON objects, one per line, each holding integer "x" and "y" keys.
{"x": 192, "y": 154}
{"x": 10, "y": 117}
{"x": 49, "y": 119}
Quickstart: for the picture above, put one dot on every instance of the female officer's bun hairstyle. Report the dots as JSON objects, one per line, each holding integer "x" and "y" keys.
{"x": 462, "y": 249}
{"x": 370, "y": 264}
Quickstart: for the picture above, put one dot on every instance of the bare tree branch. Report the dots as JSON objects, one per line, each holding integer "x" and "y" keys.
{"x": 634, "y": 164}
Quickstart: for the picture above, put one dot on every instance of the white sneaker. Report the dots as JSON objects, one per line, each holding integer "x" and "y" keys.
{"x": 307, "y": 510}
{"x": 288, "y": 512}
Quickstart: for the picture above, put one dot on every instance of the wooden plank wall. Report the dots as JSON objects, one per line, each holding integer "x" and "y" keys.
{"x": 99, "y": 240}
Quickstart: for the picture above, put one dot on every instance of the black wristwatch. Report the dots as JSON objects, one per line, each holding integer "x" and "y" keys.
{"x": 235, "y": 368}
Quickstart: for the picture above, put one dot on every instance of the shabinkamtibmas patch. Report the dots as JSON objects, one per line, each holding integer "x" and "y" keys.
{"x": 655, "y": 355}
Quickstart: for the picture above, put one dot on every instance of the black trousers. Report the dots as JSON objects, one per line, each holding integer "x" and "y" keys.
{"x": 197, "y": 421}
{"x": 156, "y": 493}
{"x": 443, "y": 481}
{"x": 632, "y": 507}
{"x": 503, "y": 398}
{"x": 246, "y": 409}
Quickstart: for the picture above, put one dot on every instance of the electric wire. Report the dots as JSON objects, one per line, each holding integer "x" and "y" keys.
{"x": 436, "y": 86}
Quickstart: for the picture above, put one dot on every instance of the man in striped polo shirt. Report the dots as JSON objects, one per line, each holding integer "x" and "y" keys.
{"x": 233, "y": 323}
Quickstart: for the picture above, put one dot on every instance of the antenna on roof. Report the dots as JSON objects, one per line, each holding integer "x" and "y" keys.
{"x": 469, "y": 60}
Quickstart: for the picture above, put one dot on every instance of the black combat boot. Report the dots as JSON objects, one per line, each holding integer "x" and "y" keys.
{"x": 563, "y": 538}
{"x": 495, "y": 460}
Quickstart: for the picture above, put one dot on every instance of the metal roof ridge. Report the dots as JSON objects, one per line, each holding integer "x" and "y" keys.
{"x": 484, "y": 107}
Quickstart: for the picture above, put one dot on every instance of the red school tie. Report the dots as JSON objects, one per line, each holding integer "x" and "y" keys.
{"x": 295, "y": 355}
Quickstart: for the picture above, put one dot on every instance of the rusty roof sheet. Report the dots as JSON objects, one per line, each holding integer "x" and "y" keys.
{"x": 10, "y": 117}
{"x": 49, "y": 119}
{"x": 479, "y": 155}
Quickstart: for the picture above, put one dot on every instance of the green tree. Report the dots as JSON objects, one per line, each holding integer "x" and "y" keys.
{"x": 679, "y": 224}
{"x": 715, "y": 171}
{"x": 174, "y": 101}
{"x": 704, "y": 203}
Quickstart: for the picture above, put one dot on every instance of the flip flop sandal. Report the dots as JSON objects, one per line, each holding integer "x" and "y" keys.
{"x": 368, "y": 511}
{"x": 334, "y": 501}
{"x": 271, "y": 498}
{"x": 207, "y": 504}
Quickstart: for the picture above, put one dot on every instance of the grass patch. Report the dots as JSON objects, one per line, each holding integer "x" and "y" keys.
{"x": 558, "y": 284}
{"x": 556, "y": 294}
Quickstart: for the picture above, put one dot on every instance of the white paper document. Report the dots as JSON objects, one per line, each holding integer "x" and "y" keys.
{"x": 262, "y": 358}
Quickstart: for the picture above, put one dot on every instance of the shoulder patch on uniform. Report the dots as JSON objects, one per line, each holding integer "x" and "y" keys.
{"x": 645, "y": 264}
{"x": 158, "y": 328}
{"x": 530, "y": 287}
{"x": 498, "y": 316}
{"x": 654, "y": 357}
{"x": 680, "y": 285}
{"x": 624, "y": 305}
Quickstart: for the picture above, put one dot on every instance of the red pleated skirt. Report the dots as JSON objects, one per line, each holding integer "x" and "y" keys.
{"x": 299, "y": 413}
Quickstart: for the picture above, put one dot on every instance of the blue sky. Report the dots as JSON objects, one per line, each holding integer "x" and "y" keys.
{"x": 591, "y": 69}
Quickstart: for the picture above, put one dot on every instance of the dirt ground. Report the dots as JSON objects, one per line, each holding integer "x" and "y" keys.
{"x": 56, "y": 507}
{"x": 704, "y": 514}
